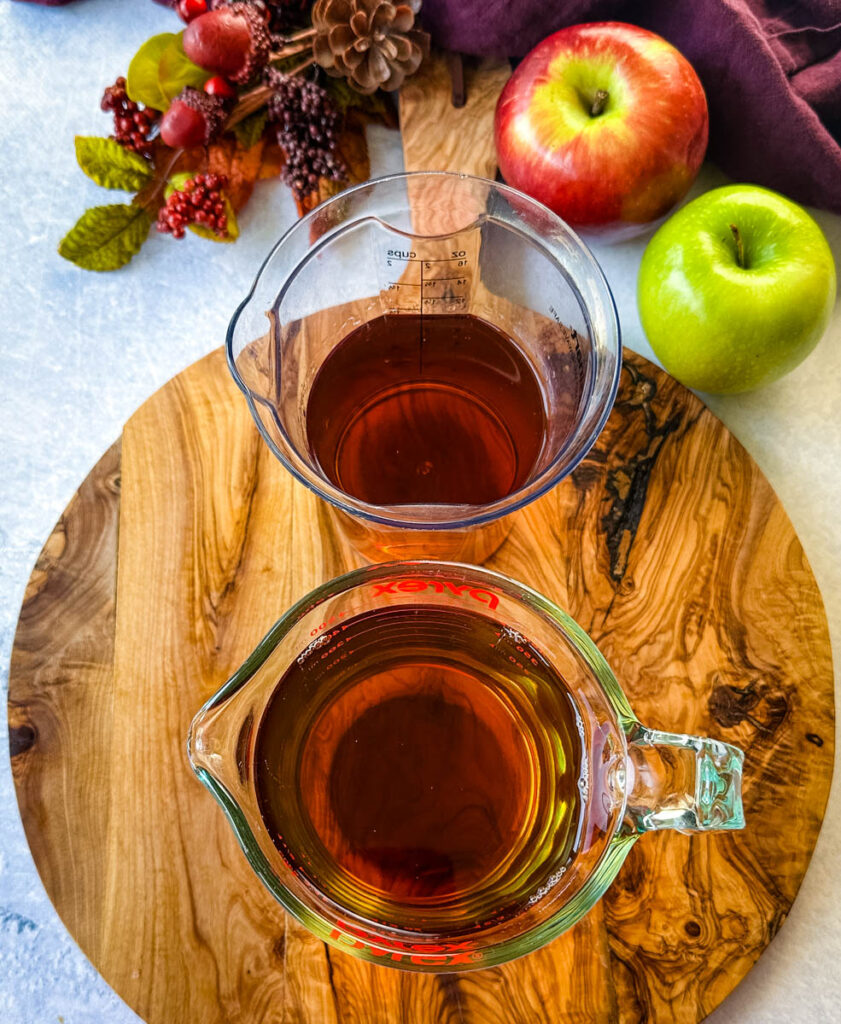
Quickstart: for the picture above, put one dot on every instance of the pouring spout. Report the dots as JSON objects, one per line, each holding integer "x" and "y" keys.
{"x": 218, "y": 746}
{"x": 202, "y": 747}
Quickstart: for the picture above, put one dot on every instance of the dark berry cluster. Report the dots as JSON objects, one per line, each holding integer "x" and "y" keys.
{"x": 307, "y": 130}
{"x": 132, "y": 125}
{"x": 198, "y": 201}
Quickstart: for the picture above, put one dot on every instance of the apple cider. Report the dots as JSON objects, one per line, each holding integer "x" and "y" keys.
{"x": 413, "y": 409}
{"x": 427, "y": 772}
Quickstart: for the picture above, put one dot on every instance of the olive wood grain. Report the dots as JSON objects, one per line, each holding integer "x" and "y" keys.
{"x": 436, "y": 135}
{"x": 666, "y": 543}
{"x": 61, "y": 700}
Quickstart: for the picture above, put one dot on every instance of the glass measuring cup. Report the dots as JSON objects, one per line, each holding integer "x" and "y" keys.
{"x": 430, "y": 245}
{"x": 624, "y": 779}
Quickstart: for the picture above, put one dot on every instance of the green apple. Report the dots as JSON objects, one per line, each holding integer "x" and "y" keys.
{"x": 736, "y": 289}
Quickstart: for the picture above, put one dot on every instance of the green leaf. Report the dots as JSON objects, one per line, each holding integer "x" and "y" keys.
{"x": 177, "y": 182}
{"x": 250, "y": 131}
{"x": 175, "y": 70}
{"x": 106, "y": 237}
{"x": 344, "y": 97}
{"x": 109, "y": 165}
{"x": 159, "y": 71}
{"x": 143, "y": 79}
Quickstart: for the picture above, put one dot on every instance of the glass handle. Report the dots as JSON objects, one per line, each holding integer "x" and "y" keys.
{"x": 682, "y": 782}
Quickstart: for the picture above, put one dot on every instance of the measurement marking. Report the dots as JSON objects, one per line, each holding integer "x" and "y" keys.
{"x": 409, "y": 284}
{"x": 432, "y": 280}
{"x": 444, "y": 259}
{"x": 420, "y": 345}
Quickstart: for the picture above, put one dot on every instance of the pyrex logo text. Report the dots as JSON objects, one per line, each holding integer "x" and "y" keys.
{"x": 411, "y": 586}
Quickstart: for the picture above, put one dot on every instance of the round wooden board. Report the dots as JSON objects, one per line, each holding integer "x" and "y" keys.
{"x": 667, "y": 544}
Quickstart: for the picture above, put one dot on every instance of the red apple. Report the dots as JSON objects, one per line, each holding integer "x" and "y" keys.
{"x": 605, "y": 123}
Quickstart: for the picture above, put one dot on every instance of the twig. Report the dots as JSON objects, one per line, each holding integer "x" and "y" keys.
{"x": 250, "y": 102}
{"x": 259, "y": 97}
{"x": 290, "y": 51}
{"x": 306, "y": 33}
{"x": 151, "y": 195}
{"x": 300, "y": 67}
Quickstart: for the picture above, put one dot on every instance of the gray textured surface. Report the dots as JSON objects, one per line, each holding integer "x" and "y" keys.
{"x": 82, "y": 351}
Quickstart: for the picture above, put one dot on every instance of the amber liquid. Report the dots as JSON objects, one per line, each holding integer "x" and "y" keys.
{"x": 425, "y": 773}
{"x": 412, "y": 409}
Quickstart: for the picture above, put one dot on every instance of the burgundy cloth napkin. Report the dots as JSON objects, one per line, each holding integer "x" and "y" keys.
{"x": 771, "y": 70}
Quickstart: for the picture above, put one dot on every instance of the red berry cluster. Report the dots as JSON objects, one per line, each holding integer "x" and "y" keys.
{"x": 132, "y": 126}
{"x": 198, "y": 201}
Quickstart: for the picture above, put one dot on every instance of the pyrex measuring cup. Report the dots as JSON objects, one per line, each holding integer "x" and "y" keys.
{"x": 429, "y": 244}
{"x": 610, "y": 782}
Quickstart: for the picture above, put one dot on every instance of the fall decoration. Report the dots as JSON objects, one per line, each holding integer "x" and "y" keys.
{"x": 197, "y": 201}
{"x": 233, "y": 41}
{"x": 219, "y": 86}
{"x": 374, "y": 44}
{"x": 194, "y": 118}
{"x": 284, "y": 16}
{"x": 287, "y": 15}
{"x": 132, "y": 124}
{"x": 307, "y": 128}
{"x": 189, "y": 9}
{"x": 203, "y": 114}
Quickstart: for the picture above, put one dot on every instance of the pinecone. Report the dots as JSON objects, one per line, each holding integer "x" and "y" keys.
{"x": 372, "y": 43}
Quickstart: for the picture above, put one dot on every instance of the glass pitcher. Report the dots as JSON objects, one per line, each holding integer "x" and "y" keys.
{"x": 428, "y": 246}
{"x": 486, "y": 820}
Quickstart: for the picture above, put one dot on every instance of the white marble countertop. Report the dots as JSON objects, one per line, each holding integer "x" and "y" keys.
{"x": 79, "y": 355}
